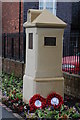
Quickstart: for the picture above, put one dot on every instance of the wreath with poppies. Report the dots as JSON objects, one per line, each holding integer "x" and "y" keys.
{"x": 54, "y": 100}
{"x": 37, "y": 102}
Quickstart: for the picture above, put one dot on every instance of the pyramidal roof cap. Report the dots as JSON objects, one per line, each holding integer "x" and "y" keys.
{"x": 45, "y": 19}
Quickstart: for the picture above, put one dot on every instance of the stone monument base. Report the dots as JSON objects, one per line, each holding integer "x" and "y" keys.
{"x": 42, "y": 86}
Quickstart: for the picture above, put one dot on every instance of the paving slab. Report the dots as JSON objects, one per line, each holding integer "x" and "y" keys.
{"x": 6, "y": 115}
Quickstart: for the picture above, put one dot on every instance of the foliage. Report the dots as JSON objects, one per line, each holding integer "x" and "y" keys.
{"x": 12, "y": 86}
{"x": 12, "y": 97}
{"x": 65, "y": 112}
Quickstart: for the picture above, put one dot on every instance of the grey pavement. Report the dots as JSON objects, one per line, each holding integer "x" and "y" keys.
{"x": 6, "y": 115}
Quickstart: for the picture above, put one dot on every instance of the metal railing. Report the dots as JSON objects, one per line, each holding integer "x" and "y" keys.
{"x": 71, "y": 55}
{"x": 13, "y": 46}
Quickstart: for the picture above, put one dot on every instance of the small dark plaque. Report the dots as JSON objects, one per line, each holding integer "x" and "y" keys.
{"x": 50, "y": 41}
{"x": 30, "y": 42}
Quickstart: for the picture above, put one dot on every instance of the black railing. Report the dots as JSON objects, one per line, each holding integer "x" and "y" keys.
{"x": 71, "y": 55}
{"x": 13, "y": 46}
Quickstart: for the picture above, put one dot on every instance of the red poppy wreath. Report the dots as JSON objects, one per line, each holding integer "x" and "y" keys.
{"x": 55, "y": 100}
{"x": 36, "y": 102}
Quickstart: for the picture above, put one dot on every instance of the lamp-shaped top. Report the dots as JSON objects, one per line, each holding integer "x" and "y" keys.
{"x": 43, "y": 18}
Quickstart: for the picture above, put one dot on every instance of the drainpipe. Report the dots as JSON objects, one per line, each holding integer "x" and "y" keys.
{"x": 19, "y": 25}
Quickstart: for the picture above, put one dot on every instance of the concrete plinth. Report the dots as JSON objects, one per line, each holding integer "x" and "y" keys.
{"x": 42, "y": 86}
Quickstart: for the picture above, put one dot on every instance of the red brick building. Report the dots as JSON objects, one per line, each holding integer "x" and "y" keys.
{"x": 13, "y": 41}
{"x": 10, "y": 17}
{"x": 12, "y": 26}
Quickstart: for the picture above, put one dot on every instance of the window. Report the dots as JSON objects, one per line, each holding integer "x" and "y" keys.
{"x": 50, "y": 41}
{"x": 30, "y": 42}
{"x": 41, "y": 4}
{"x": 49, "y": 5}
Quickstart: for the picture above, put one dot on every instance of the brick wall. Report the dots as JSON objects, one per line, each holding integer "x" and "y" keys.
{"x": 10, "y": 17}
{"x": 72, "y": 84}
{"x": 10, "y": 66}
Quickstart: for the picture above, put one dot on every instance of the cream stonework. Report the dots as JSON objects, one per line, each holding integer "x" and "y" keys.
{"x": 43, "y": 72}
{"x": 42, "y": 86}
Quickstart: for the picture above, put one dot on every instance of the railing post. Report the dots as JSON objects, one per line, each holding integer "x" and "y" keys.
{"x": 7, "y": 55}
{"x": 4, "y": 45}
{"x": 79, "y": 53}
{"x": 12, "y": 48}
{"x": 24, "y": 46}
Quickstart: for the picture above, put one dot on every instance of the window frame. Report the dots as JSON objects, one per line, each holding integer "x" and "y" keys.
{"x": 30, "y": 40}
{"x": 49, "y": 45}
